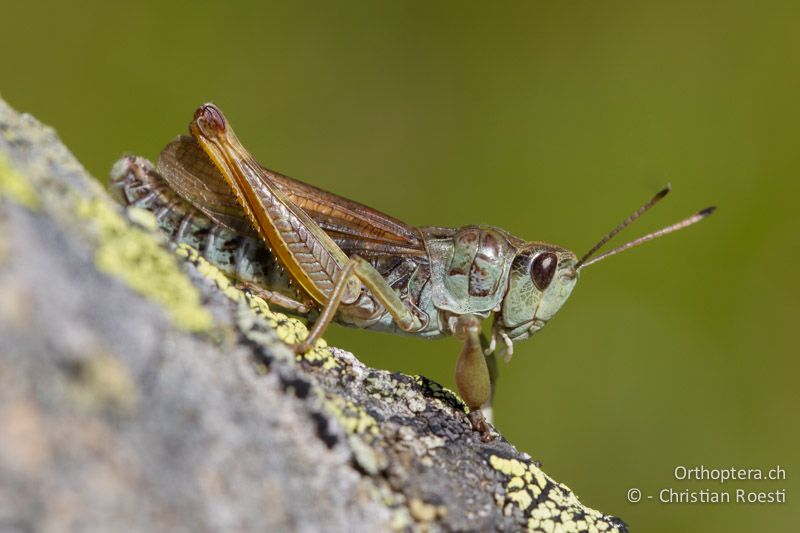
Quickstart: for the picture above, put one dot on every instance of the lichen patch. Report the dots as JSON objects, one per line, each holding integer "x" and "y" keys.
{"x": 548, "y": 506}
{"x": 15, "y": 187}
{"x": 133, "y": 256}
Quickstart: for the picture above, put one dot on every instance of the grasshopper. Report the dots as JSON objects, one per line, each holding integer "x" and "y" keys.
{"x": 313, "y": 253}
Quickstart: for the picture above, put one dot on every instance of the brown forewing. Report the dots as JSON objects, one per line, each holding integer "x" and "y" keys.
{"x": 356, "y": 228}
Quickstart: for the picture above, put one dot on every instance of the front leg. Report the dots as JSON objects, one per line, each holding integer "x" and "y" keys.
{"x": 494, "y": 372}
{"x": 472, "y": 374}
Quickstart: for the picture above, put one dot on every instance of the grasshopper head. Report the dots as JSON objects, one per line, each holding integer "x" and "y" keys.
{"x": 541, "y": 279}
{"x": 542, "y": 276}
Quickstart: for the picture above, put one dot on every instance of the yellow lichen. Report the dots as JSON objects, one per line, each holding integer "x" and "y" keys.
{"x": 401, "y": 520}
{"x": 353, "y": 417}
{"x": 516, "y": 482}
{"x": 142, "y": 217}
{"x": 539, "y": 477}
{"x": 422, "y": 511}
{"x": 510, "y": 467}
{"x": 15, "y": 187}
{"x": 521, "y": 498}
{"x": 101, "y": 381}
{"x": 525, "y": 486}
{"x": 289, "y": 330}
{"x": 134, "y": 257}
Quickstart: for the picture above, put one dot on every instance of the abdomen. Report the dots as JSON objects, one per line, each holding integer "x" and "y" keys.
{"x": 135, "y": 183}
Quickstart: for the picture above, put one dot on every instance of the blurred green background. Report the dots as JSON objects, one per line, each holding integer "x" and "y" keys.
{"x": 552, "y": 120}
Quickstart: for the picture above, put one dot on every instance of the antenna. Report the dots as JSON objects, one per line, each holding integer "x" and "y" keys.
{"x": 584, "y": 261}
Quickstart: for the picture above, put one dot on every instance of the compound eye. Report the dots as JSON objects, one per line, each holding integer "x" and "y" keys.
{"x": 543, "y": 269}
